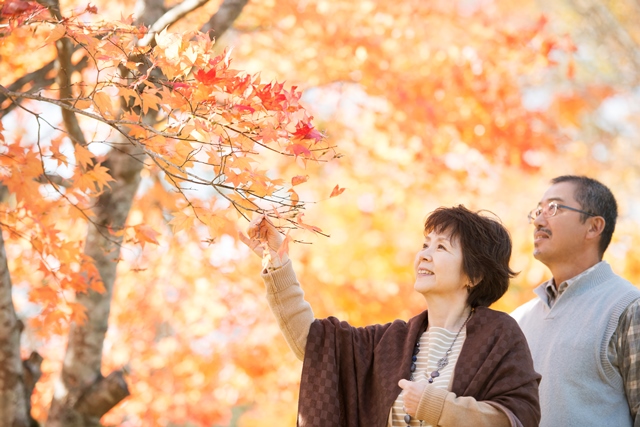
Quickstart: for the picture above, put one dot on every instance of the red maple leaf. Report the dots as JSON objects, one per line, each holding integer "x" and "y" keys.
{"x": 207, "y": 78}
{"x": 298, "y": 149}
{"x": 307, "y": 131}
{"x": 244, "y": 108}
{"x": 271, "y": 96}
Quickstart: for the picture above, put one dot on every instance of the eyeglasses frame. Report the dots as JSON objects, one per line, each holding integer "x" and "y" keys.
{"x": 558, "y": 205}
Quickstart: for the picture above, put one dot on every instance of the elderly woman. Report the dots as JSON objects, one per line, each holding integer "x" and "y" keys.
{"x": 457, "y": 364}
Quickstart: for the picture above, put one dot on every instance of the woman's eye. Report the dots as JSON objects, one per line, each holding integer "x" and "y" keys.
{"x": 425, "y": 246}
{"x": 441, "y": 247}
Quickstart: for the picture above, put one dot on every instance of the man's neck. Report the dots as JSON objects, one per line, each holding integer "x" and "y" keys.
{"x": 562, "y": 273}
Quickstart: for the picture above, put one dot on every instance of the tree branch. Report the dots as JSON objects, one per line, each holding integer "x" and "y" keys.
{"x": 169, "y": 18}
{"x": 606, "y": 25}
{"x": 32, "y": 373}
{"x": 54, "y": 180}
{"x": 65, "y": 68}
{"x": 103, "y": 395}
{"x": 63, "y": 78}
{"x": 224, "y": 18}
{"x": 38, "y": 79}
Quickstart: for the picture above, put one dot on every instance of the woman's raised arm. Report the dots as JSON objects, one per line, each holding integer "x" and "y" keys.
{"x": 284, "y": 294}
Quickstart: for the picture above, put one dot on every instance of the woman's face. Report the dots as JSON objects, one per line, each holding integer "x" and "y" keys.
{"x": 438, "y": 267}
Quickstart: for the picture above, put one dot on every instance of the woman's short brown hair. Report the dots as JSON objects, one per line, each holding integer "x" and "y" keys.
{"x": 486, "y": 250}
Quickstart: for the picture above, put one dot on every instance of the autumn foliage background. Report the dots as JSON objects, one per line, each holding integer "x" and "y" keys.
{"x": 347, "y": 121}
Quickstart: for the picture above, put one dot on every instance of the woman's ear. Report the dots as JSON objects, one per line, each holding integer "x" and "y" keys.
{"x": 472, "y": 284}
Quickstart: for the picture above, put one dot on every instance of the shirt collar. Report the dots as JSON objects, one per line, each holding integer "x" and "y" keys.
{"x": 553, "y": 294}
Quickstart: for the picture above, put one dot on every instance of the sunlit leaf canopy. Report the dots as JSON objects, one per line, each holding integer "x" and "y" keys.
{"x": 427, "y": 103}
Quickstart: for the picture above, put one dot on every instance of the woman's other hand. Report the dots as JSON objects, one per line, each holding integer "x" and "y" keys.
{"x": 411, "y": 395}
{"x": 265, "y": 241}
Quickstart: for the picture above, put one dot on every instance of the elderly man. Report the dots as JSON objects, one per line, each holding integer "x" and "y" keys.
{"x": 584, "y": 326}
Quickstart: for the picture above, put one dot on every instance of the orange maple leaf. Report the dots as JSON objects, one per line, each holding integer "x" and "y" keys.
{"x": 336, "y": 191}
{"x": 145, "y": 234}
{"x": 284, "y": 247}
{"x": 307, "y": 226}
{"x": 101, "y": 176}
{"x": 78, "y": 312}
{"x": 294, "y": 197}
{"x": 299, "y": 179}
{"x": 44, "y": 295}
{"x": 84, "y": 157}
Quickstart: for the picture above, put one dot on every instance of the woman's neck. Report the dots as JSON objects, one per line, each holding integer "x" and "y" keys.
{"x": 447, "y": 315}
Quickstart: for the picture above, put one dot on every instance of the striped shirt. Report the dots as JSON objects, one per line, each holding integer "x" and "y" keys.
{"x": 434, "y": 343}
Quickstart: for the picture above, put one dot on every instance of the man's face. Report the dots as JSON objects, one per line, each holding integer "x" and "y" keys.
{"x": 559, "y": 238}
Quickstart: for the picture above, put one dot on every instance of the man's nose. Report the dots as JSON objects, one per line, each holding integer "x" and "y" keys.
{"x": 540, "y": 220}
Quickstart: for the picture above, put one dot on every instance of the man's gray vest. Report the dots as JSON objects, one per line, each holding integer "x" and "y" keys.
{"x": 579, "y": 387}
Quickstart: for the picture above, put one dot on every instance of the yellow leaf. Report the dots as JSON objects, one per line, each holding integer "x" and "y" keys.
{"x": 184, "y": 149}
{"x": 82, "y": 104}
{"x": 149, "y": 101}
{"x": 181, "y": 221}
{"x": 215, "y": 224}
{"x": 243, "y": 202}
{"x": 56, "y": 34}
{"x": 103, "y": 102}
{"x": 84, "y": 157}
{"x": 101, "y": 176}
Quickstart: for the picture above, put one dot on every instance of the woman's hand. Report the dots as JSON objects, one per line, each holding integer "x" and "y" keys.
{"x": 265, "y": 241}
{"x": 411, "y": 394}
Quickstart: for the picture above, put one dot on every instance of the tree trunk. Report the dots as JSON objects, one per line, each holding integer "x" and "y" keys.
{"x": 81, "y": 375}
{"x": 82, "y": 395}
{"x": 14, "y": 394}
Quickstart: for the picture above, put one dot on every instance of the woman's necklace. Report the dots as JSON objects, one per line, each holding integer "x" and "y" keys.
{"x": 441, "y": 363}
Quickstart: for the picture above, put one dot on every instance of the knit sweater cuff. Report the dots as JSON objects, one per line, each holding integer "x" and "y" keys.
{"x": 279, "y": 279}
{"x": 431, "y": 404}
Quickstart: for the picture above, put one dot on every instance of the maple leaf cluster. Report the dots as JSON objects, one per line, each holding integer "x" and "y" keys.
{"x": 210, "y": 126}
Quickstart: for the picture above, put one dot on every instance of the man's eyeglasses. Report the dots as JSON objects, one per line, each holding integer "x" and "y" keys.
{"x": 551, "y": 210}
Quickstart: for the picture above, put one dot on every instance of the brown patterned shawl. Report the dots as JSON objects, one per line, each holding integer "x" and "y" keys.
{"x": 350, "y": 375}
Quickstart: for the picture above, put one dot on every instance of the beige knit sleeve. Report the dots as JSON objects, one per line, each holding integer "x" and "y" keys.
{"x": 286, "y": 300}
{"x": 439, "y": 407}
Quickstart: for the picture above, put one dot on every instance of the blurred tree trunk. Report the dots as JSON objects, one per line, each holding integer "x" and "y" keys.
{"x": 14, "y": 402}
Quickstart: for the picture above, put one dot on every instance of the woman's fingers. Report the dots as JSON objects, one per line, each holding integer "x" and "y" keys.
{"x": 253, "y": 244}
{"x": 264, "y": 239}
{"x": 253, "y": 230}
{"x": 411, "y": 395}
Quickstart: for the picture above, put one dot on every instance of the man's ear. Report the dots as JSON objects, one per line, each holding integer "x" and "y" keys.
{"x": 596, "y": 226}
